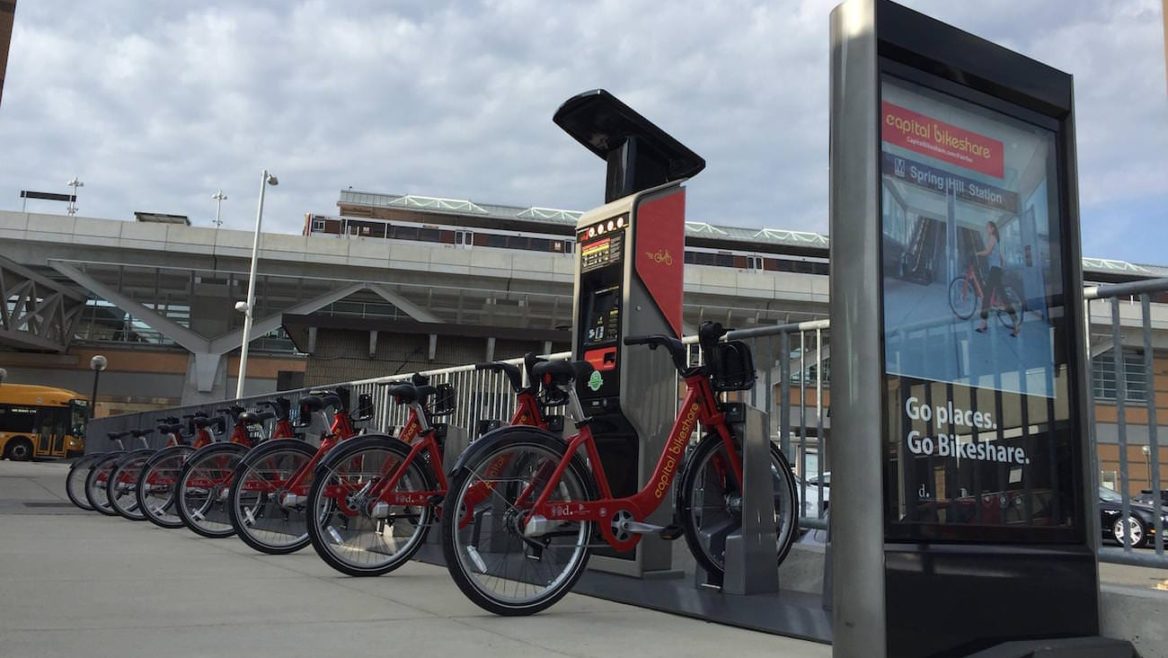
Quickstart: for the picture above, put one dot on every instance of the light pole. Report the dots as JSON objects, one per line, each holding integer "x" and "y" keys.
{"x": 249, "y": 306}
{"x": 219, "y": 198}
{"x": 73, "y": 183}
{"x": 96, "y": 364}
{"x": 3, "y": 376}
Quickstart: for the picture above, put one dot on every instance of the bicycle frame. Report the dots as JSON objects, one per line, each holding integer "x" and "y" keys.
{"x": 700, "y": 407}
{"x": 340, "y": 429}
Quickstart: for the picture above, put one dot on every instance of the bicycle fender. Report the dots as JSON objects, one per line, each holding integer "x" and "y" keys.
{"x": 344, "y": 448}
{"x": 488, "y": 440}
{"x": 264, "y": 448}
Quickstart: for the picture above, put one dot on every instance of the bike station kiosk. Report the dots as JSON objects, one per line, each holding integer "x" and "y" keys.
{"x": 971, "y": 430}
{"x": 629, "y": 282}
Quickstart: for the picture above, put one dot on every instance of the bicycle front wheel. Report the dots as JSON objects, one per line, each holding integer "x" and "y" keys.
{"x": 267, "y": 503}
{"x": 75, "y": 481}
{"x": 710, "y": 508}
{"x": 122, "y": 488}
{"x": 353, "y": 531}
{"x": 95, "y": 482}
{"x": 502, "y": 558}
{"x": 203, "y": 489}
{"x": 158, "y": 483}
{"x": 962, "y": 297}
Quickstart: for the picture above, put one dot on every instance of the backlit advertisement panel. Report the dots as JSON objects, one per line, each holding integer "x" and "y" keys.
{"x": 975, "y": 349}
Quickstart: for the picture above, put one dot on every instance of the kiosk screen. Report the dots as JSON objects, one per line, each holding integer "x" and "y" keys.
{"x": 603, "y": 317}
{"x": 979, "y": 438}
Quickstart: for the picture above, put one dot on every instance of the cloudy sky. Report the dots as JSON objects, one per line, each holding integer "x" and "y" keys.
{"x": 155, "y": 105}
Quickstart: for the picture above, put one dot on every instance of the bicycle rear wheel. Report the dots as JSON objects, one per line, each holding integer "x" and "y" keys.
{"x": 710, "y": 507}
{"x": 1010, "y": 312}
{"x": 352, "y": 531}
{"x": 500, "y": 561}
{"x": 203, "y": 489}
{"x": 962, "y": 297}
{"x": 158, "y": 483}
{"x": 122, "y": 487}
{"x": 95, "y": 482}
{"x": 266, "y": 514}
{"x": 75, "y": 481}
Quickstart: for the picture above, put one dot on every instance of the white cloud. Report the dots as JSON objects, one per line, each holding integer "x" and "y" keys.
{"x": 156, "y": 105}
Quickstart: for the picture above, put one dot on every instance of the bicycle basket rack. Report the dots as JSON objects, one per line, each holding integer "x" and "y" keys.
{"x": 364, "y": 407}
{"x": 443, "y": 403}
{"x": 731, "y": 367}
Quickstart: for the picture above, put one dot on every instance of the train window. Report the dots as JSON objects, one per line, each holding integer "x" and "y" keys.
{"x": 568, "y": 246}
{"x": 723, "y": 259}
{"x": 318, "y": 225}
{"x": 428, "y": 234}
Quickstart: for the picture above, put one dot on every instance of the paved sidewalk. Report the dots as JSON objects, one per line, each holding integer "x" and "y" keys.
{"x": 75, "y": 583}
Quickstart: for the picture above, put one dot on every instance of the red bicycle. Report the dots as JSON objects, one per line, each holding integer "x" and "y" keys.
{"x": 376, "y": 498}
{"x": 205, "y": 479}
{"x": 270, "y": 485}
{"x": 159, "y": 476}
{"x": 372, "y": 500}
{"x": 967, "y": 291}
{"x": 530, "y": 504}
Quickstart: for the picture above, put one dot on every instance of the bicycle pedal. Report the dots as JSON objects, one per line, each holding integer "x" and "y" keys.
{"x": 670, "y": 532}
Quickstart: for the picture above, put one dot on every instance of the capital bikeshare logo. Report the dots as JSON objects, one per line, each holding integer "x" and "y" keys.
{"x": 674, "y": 449}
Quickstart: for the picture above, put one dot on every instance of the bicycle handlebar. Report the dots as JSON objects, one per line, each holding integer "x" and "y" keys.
{"x": 676, "y": 348}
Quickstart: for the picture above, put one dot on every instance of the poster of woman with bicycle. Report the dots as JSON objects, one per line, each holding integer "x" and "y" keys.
{"x": 970, "y": 243}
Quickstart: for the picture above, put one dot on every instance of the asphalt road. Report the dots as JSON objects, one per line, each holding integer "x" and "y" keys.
{"x": 76, "y": 583}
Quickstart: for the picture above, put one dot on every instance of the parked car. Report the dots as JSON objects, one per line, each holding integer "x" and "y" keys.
{"x": 1147, "y": 497}
{"x": 815, "y": 492}
{"x": 1142, "y": 518}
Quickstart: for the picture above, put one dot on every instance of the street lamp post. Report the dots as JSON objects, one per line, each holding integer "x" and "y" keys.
{"x": 248, "y": 307}
{"x": 73, "y": 183}
{"x": 219, "y": 198}
{"x": 96, "y": 364}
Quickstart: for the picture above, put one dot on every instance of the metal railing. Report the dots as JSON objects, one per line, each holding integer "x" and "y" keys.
{"x": 792, "y": 360}
{"x": 1115, "y": 297}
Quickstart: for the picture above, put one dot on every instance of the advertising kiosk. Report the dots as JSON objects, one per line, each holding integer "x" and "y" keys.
{"x": 962, "y": 404}
{"x": 629, "y": 281}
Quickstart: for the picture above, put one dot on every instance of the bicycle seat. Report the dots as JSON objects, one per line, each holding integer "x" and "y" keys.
{"x": 312, "y": 403}
{"x": 141, "y": 433}
{"x": 249, "y": 418}
{"x": 561, "y": 373}
{"x": 202, "y": 421}
{"x": 114, "y": 436}
{"x": 404, "y": 393}
{"x": 174, "y": 428}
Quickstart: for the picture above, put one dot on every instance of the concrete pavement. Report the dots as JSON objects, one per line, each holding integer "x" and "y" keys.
{"x": 75, "y": 583}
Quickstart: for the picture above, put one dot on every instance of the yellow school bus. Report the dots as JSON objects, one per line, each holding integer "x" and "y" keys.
{"x": 41, "y": 421}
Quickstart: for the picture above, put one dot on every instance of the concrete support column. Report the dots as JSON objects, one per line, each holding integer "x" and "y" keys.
{"x": 206, "y": 379}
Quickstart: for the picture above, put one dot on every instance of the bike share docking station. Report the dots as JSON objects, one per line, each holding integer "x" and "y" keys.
{"x": 630, "y": 282}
